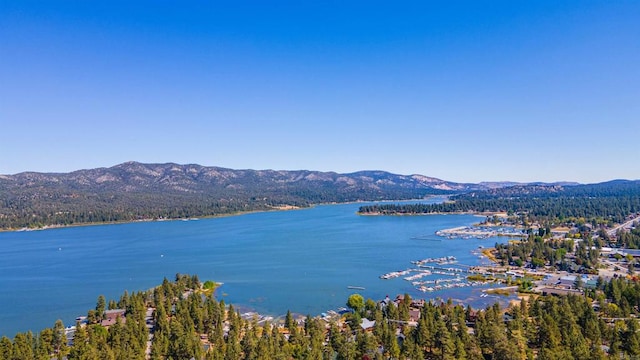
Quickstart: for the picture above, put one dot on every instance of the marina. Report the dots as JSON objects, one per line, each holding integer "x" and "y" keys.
{"x": 426, "y": 271}
{"x": 438, "y": 277}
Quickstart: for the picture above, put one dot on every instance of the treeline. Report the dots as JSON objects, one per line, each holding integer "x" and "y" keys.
{"x": 188, "y": 324}
{"x": 607, "y": 202}
{"x": 629, "y": 239}
{"x": 16, "y": 213}
{"x": 40, "y": 206}
{"x": 126, "y": 208}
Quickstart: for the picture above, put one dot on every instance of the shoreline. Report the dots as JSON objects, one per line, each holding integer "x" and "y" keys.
{"x": 422, "y": 214}
{"x": 52, "y": 227}
{"x": 488, "y": 253}
{"x": 275, "y": 208}
{"x": 474, "y": 213}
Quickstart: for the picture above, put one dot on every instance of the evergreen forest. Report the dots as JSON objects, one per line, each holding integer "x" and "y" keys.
{"x": 181, "y": 320}
{"x": 604, "y": 203}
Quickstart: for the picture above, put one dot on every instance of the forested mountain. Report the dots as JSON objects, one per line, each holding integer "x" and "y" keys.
{"x": 132, "y": 191}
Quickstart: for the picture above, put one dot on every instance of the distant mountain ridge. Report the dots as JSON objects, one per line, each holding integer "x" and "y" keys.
{"x": 133, "y": 176}
{"x": 194, "y": 176}
{"x": 133, "y": 191}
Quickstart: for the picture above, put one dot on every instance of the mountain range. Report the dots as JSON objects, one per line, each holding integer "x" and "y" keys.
{"x": 133, "y": 190}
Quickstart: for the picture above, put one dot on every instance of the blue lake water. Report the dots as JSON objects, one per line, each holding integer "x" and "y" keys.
{"x": 301, "y": 260}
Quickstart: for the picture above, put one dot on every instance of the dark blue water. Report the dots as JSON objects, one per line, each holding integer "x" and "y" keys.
{"x": 300, "y": 260}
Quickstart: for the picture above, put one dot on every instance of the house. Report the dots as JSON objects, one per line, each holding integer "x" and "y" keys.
{"x": 589, "y": 282}
{"x": 567, "y": 281}
{"x": 472, "y": 317}
{"x": 604, "y": 250}
{"x": 635, "y": 253}
{"x": 559, "y": 292}
{"x": 367, "y": 325}
{"x": 385, "y": 302}
{"x": 112, "y": 316}
{"x": 414, "y": 315}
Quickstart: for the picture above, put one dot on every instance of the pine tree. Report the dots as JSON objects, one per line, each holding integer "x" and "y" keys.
{"x": 460, "y": 352}
{"x": 291, "y": 325}
{"x": 101, "y": 304}
{"x": 80, "y": 344}
{"x": 59, "y": 340}
{"x": 549, "y": 335}
{"x": 6, "y": 348}
{"x": 315, "y": 333}
{"x": 444, "y": 342}
{"x": 249, "y": 342}
{"x": 22, "y": 346}
{"x": 98, "y": 337}
{"x": 233, "y": 348}
{"x": 631, "y": 338}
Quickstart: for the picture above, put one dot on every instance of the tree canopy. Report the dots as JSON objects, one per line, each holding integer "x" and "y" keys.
{"x": 185, "y": 323}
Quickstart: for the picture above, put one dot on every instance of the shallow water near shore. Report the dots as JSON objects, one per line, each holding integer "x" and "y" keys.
{"x": 271, "y": 262}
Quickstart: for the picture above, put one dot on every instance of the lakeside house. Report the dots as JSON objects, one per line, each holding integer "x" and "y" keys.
{"x": 414, "y": 314}
{"x": 112, "y": 316}
{"x": 385, "y": 302}
{"x": 367, "y": 325}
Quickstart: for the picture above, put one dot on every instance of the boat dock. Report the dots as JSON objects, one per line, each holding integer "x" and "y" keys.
{"x": 423, "y": 276}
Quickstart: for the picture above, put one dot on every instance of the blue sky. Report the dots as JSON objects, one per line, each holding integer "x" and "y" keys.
{"x": 461, "y": 90}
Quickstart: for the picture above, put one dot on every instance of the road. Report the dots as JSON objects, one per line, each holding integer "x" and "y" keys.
{"x": 150, "y": 324}
{"x": 626, "y": 225}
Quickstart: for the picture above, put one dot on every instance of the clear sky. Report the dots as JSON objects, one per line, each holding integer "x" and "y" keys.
{"x": 461, "y": 90}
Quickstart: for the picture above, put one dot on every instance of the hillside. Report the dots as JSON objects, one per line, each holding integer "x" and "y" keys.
{"x": 133, "y": 191}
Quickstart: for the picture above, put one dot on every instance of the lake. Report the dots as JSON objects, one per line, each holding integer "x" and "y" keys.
{"x": 271, "y": 262}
